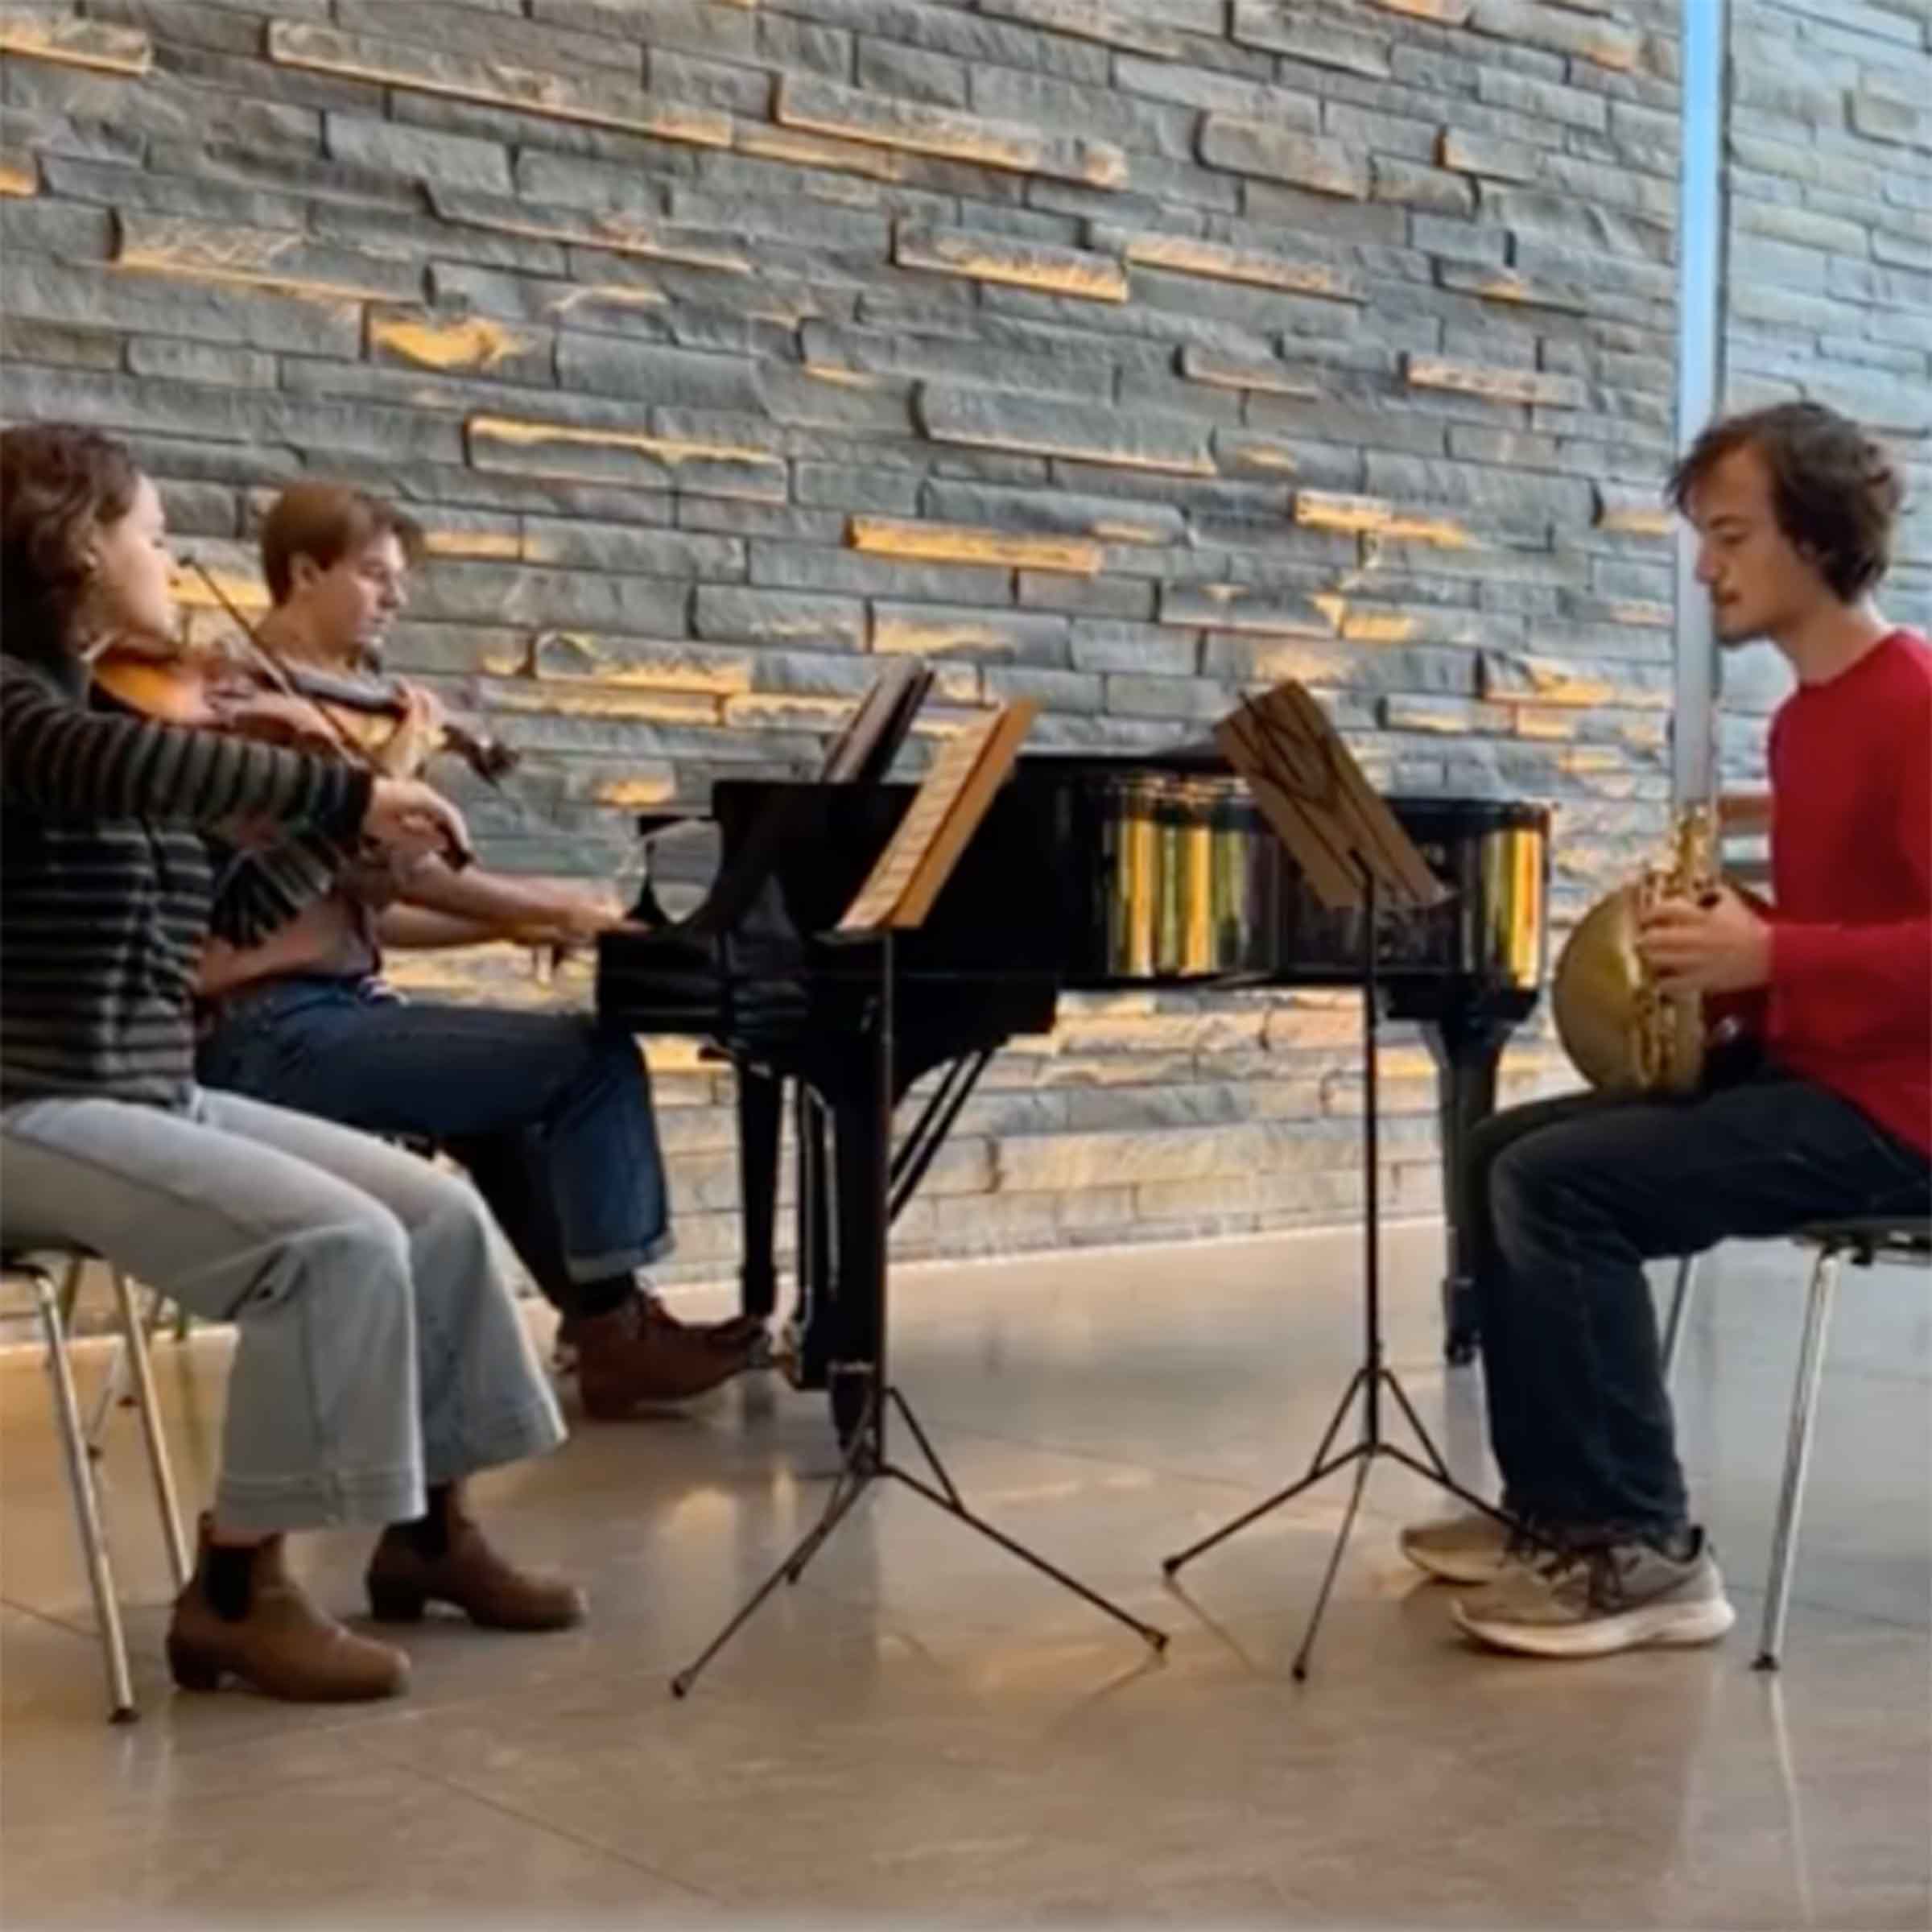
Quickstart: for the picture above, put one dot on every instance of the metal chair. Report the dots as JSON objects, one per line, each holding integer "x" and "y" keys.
{"x": 116, "y": 1388}
{"x": 54, "y": 1301}
{"x": 1862, "y": 1242}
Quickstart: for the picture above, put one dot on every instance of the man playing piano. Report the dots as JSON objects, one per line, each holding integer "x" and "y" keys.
{"x": 551, "y": 1112}
{"x": 1793, "y": 508}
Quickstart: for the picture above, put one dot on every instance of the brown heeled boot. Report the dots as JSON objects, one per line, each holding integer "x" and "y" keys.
{"x": 445, "y": 1559}
{"x": 737, "y": 1335}
{"x": 636, "y": 1355}
{"x": 280, "y": 1642}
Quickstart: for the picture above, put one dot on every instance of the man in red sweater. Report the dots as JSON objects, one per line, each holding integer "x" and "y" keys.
{"x": 1828, "y": 1114}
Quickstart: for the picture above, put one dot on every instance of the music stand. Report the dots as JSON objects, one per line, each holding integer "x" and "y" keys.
{"x": 867, "y": 1458}
{"x": 1357, "y": 857}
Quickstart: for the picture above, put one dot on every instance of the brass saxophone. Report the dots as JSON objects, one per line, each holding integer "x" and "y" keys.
{"x": 1623, "y": 1033}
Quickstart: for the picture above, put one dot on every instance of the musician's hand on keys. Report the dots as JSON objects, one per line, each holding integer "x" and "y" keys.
{"x": 1718, "y": 946}
{"x": 581, "y": 912}
{"x": 572, "y": 918}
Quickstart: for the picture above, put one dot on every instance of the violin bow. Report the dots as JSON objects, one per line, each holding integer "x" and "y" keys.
{"x": 284, "y": 680}
{"x": 267, "y": 660}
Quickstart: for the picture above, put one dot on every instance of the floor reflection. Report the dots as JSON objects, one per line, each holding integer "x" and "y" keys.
{"x": 922, "y": 1729}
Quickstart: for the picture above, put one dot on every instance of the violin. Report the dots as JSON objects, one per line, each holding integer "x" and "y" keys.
{"x": 386, "y": 697}
{"x": 297, "y": 707}
{"x": 207, "y": 688}
{"x": 361, "y": 716}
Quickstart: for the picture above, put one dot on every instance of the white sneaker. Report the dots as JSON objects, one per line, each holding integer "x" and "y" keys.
{"x": 1595, "y": 1602}
{"x": 1470, "y": 1548}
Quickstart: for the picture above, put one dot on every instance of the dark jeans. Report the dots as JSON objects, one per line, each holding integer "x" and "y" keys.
{"x": 550, "y": 1113}
{"x": 1565, "y": 1200}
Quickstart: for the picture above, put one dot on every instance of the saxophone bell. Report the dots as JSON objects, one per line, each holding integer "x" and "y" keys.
{"x": 1621, "y": 1030}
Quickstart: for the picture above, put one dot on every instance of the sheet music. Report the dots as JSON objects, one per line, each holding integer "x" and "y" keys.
{"x": 1322, "y": 808}
{"x": 942, "y": 793}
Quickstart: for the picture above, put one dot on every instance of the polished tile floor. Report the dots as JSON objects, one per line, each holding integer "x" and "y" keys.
{"x": 924, "y": 1731}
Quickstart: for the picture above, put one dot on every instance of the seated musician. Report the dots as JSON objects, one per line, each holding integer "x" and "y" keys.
{"x": 381, "y": 1358}
{"x": 1829, "y": 1115}
{"x": 550, "y": 1111}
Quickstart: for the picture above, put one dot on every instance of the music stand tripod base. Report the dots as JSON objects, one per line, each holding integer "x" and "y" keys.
{"x": 867, "y": 1461}
{"x": 1373, "y": 1377}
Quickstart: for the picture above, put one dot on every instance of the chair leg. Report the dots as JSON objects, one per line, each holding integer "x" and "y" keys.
{"x": 86, "y": 1503}
{"x": 141, "y": 1371}
{"x": 113, "y": 1386}
{"x": 1798, "y": 1455}
{"x": 1673, "y": 1316}
{"x": 70, "y": 1290}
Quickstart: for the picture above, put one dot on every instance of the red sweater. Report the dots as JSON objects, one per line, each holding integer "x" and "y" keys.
{"x": 1850, "y": 1001}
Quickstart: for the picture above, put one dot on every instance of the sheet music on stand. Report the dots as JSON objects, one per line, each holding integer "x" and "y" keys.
{"x": 952, "y": 798}
{"x": 1313, "y": 793}
{"x": 1357, "y": 857}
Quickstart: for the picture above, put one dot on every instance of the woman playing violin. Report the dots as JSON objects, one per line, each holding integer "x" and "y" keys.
{"x": 550, "y": 1112}
{"x": 380, "y": 1358}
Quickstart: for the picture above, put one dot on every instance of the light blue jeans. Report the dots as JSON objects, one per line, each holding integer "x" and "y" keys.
{"x": 379, "y": 1346}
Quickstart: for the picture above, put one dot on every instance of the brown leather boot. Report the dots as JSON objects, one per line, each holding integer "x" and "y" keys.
{"x": 737, "y": 1334}
{"x": 635, "y": 1356}
{"x": 489, "y": 1589}
{"x": 284, "y": 1645}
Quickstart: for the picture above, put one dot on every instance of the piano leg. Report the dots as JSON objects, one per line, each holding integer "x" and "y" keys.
{"x": 810, "y": 1327}
{"x": 847, "y": 1322}
{"x": 855, "y": 1224}
{"x": 761, "y": 1100}
{"x": 1468, "y": 1049}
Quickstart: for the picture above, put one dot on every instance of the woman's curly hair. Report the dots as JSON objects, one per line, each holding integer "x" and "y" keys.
{"x": 58, "y": 486}
{"x": 1834, "y": 491}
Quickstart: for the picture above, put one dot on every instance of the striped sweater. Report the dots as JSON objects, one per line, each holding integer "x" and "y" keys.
{"x": 107, "y": 879}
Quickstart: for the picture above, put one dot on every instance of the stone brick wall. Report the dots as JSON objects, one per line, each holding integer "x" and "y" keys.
{"x": 1829, "y": 151}
{"x": 1120, "y": 353}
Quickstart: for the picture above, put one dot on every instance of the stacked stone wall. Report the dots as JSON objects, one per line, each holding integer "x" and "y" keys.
{"x": 1120, "y": 354}
{"x": 1829, "y": 167}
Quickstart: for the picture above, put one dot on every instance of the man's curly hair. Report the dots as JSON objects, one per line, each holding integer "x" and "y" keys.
{"x": 1835, "y": 491}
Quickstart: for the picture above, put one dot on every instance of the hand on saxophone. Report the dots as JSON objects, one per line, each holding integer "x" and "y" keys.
{"x": 1719, "y": 944}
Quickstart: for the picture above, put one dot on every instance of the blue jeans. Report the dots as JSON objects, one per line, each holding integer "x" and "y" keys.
{"x": 1565, "y": 1200}
{"x": 551, "y": 1112}
{"x": 377, "y": 1346}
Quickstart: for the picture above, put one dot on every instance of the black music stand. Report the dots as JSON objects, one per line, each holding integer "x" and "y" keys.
{"x": 867, "y": 1457}
{"x": 1358, "y": 857}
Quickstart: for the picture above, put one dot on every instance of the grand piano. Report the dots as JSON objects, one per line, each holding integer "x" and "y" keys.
{"x": 1087, "y": 873}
